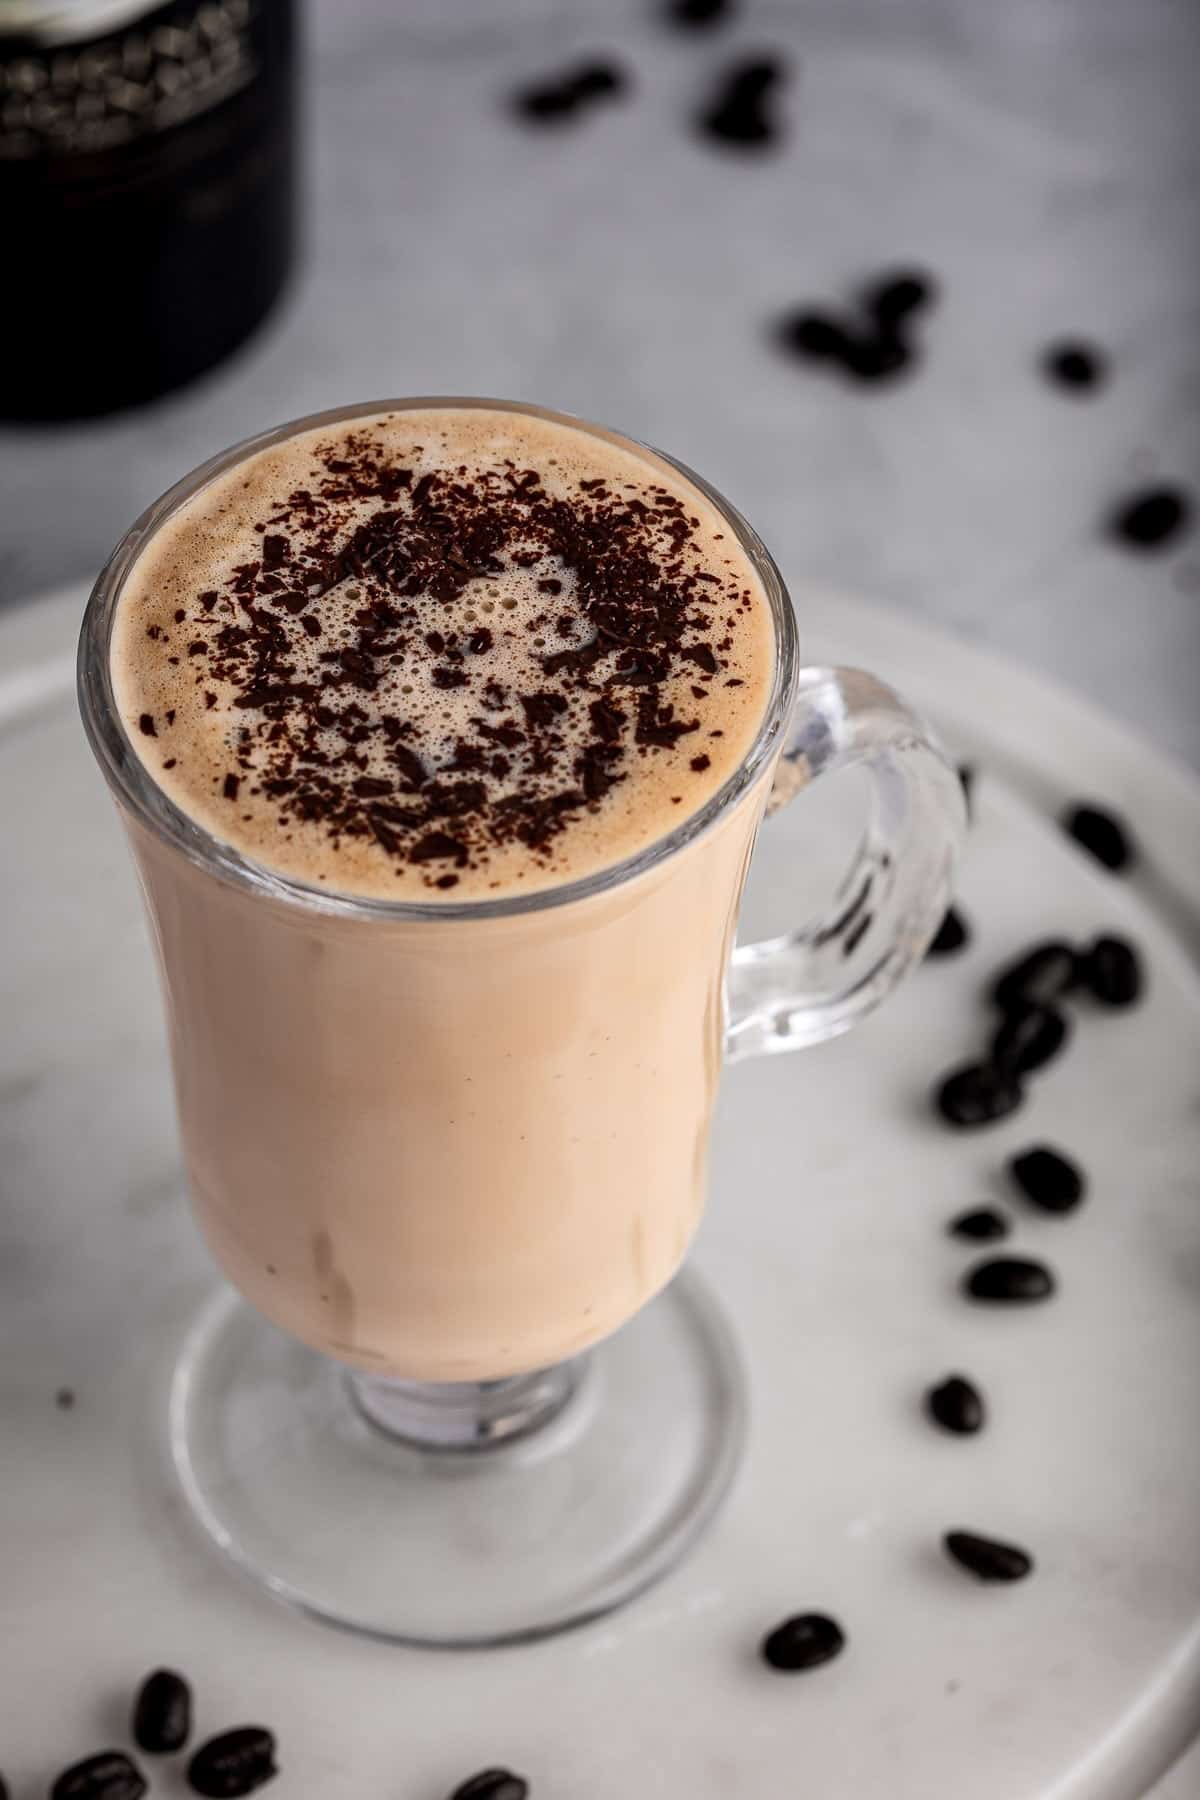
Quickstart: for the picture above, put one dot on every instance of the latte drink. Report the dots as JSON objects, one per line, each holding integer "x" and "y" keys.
{"x": 435, "y": 674}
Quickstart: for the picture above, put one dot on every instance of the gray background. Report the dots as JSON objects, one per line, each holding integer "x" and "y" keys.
{"x": 1040, "y": 156}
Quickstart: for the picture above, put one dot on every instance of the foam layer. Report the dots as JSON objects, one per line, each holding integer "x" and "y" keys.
{"x": 446, "y": 653}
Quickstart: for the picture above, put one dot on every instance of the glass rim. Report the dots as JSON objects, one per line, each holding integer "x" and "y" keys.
{"x": 135, "y": 788}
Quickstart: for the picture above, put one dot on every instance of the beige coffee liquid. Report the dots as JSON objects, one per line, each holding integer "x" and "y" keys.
{"x": 447, "y": 1148}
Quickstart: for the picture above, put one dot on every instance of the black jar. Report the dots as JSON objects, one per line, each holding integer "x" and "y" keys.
{"x": 147, "y": 191}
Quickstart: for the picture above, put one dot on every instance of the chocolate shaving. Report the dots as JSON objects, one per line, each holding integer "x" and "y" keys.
{"x": 330, "y": 624}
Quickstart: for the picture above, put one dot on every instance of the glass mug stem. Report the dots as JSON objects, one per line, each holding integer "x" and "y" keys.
{"x": 784, "y": 994}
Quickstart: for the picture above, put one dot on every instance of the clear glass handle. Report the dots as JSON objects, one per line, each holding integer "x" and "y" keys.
{"x": 814, "y": 983}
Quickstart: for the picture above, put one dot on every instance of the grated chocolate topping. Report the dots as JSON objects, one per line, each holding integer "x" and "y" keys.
{"x": 444, "y": 659}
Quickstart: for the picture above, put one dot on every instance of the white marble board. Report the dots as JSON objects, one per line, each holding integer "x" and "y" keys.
{"x": 832, "y": 1183}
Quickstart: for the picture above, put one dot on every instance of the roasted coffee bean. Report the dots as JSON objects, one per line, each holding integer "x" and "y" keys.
{"x": 966, "y": 774}
{"x": 698, "y": 15}
{"x": 1029, "y": 1037}
{"x": 1112, "y": 972}
{"x": 1151, "y": 520}
{"x": 1009, "y": 1278}
{"x": 978, "y": 1095}
{"x": 108, "y": 1776}
{"x": 551, "y": 102}
{"x": 895, "y": 297}
{"x": 237, "y": 1762}
{"x": 804, "y": 1641}
{"x": 815, "y": 335}
{"x": 740, "y": 114}
{"x": 952, "y": 935}
{"x": 1075, "y": 365}
{"x": 985, "y": 1558}
{"x": 1048, "y": 1179}
{"x": 1039, "y": 977}
{"x": 1102, "y": 833}
{"x": 493, "y": 1784}
{"x": 981, "y": 1223}
{"x": 877, "y": 358}
{"x": 162, "y": 1713}
{"x": 956, "y": 1406}
{"x": 3, "y": 1788}
{"x": 599, "y": 80}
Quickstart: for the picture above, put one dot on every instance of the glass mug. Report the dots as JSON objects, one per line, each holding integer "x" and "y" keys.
{"x": 457, "y": 1152}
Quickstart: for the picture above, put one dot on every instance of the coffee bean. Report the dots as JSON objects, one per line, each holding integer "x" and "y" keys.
{"x": 492, "y": 1784}
{"x": 547, "y": 104}
{"x": 874, "y": 359}
{"x": 1075, "y": 365}
{"x": 107, "y": 1776}
{"x": 1009, "y": 1279}
{"x": 978, "y": 1095}
{"x": 804, "y": 1641}
{"x": 599, "y": 80}
{"x": 1112, "y": 972}
{"x": 896, "y": 297}
{"x": 1152, "y": 519}
{"x": 981, "y": 1223}
{"x": 1102, "y": 833}
{"x": 815, "y": 335}
{"x": 956, "y": 1405}
{"x": 162, "y": 1713}
{"x": 1029, "y": 1037}
{"x": 739, "y": 114}
{"x": 952, "y": 935}
{"x": 551, "y": 102}
{"x": 3, "y": 1788}
{"x": 966, "y": 774}
{"x": 237, "y": 1762}
{"x": 696, "y": 15}
{"x": 1040, "y": 977}
{"x": 986, "y": 1558}
{"x": 1048, "y": 1179}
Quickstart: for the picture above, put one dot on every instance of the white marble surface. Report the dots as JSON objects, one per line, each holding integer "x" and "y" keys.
{"x": 1041, "y": 156}
{"x": 1079, "y": 1685}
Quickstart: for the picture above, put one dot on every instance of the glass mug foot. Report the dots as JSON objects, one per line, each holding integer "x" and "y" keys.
{"x": 469, "y": 1517}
